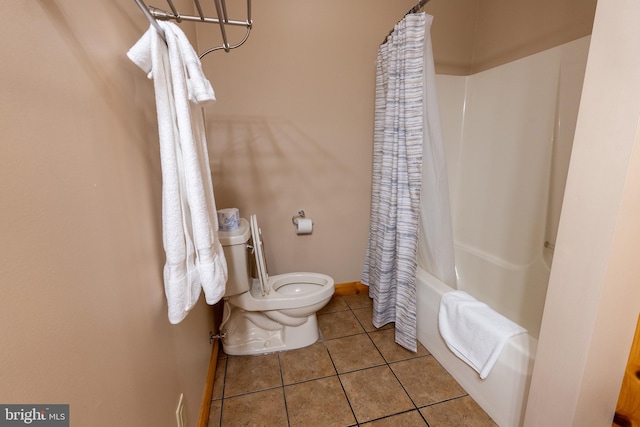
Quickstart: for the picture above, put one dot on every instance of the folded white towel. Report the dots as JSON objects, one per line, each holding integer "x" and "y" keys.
{"x": 473, "y": 331}
{"x": 195, "y": 259}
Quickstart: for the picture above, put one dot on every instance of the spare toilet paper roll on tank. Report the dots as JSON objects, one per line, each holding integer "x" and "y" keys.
{"x": 228, "y": 219}
{"x": 304, "y": 226}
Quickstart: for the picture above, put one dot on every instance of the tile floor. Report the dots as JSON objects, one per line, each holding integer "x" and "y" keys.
{"x": 355, "y": 375}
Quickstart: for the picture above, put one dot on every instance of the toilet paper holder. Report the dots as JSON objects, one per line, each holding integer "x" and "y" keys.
{"x": 294, "y": 219}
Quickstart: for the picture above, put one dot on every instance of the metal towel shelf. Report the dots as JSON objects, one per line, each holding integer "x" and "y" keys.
{"x": 222, "y": 19}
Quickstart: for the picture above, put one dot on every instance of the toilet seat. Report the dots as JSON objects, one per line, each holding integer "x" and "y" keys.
{"x": 312, "y": 288}
{"x": 269, "y": 313}
{"x": 281, "y": 291}
{"x": 261, "y": 265}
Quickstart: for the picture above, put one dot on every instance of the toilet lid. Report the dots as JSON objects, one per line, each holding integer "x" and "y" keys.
{"x": 259, "y": 254}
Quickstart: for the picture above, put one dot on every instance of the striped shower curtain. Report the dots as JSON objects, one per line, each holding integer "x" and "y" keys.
{"x": 401, "y": 125}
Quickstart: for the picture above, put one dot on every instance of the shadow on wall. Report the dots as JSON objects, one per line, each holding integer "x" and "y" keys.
{"x": 118, "y": 82}
{"x": 103, "y": 71}
{"x": 270, "y": 167}
{"x": 84, "y": 199}
{"x": 265, "y": 162}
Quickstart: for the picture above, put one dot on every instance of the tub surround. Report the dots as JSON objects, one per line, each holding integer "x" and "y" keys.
{"x": 508, "y": 134}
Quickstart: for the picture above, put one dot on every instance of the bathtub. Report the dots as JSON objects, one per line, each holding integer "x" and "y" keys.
{"x": 508, "y": 133}
{"x": 503, "y": 394}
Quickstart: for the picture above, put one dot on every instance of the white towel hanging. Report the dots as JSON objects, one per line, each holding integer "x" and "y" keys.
{"x": 194, "y": 256}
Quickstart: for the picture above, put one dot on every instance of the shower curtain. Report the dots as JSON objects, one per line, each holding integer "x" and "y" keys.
{"x": 406, "y": 119}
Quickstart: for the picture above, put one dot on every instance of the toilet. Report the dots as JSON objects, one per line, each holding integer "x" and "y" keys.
{"x": 268, "y": 313}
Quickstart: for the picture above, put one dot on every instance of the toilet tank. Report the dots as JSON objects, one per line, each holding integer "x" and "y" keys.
{"x": 234, "y": 243}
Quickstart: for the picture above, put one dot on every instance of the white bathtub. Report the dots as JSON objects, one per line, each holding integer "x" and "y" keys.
{"x": 508, "y": 133}
{"x": 503, "y": 394}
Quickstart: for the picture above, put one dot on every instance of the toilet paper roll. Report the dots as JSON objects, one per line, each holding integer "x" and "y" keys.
{"x": 228, "y": 219}
{"x": 304, "y": 226}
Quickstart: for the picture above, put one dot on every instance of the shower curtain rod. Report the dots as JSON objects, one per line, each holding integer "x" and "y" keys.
{"x": 414, "y": 9}
{"x": 153, "y": 13}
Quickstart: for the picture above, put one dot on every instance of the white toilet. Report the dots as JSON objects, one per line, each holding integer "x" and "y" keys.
{"x": 270, "y": 313}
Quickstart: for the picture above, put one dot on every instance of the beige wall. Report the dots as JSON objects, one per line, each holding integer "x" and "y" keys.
{"x": 82, "y": 308}
{"x": 453, "y": 34}
{"x": 293, "y": 127}
{"x": 593, "y": 298}
{"x": 472, "y": 35}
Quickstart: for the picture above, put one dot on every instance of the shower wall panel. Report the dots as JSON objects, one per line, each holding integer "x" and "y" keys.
{"x": 508, "y": 135}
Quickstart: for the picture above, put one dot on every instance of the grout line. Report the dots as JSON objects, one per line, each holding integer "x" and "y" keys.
{"x": 397, "y": 413}
{"x": 344, "y": 336}
{"x": 246, "y": 393}
{"x": 224, "y": 383}
{"x": 379, "y": 351}
{"x": 346, "y": 396}
{"x": 309, "y": 380}
{"x": 403, "y": 387}
{"x": 444, "y": 401}
{"x": 388, "y": 364}
{"x": 324, "y": 341}
{"x": 284, "y": 392}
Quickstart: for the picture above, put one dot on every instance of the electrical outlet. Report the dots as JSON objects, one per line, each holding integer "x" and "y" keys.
{"x": 181, "y": 415}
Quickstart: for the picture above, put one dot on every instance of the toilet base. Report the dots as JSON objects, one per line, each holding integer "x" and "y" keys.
{"x": 252, "y": 333}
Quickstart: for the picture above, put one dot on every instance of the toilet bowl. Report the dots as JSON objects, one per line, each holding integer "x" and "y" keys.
{"x": 268, "y": 313}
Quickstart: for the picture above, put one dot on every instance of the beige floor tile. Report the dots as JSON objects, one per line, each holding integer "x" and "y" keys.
{"x": 263, "y": 408}
{"x": 375, "y": 393}
{"x": 305, "y": 364}
{"x": 354, "y": 352}
{"x": 392, "y": 352}
{"x": 358, "y": 300}
{"x": 462, "y": 412}
{"x": 339, "y": 324}
{"x": 337, "y": 303}
{"x": 251, "y": 373}
{"x": 426, "y": 381}
{"x": 365, "y": 316}
{"x": 378, "y": 383}
{"x": 318, "y": 403}
{"x": 218, "y": 381}
{"x": 408, "y": 419}
{"x": 214, "y": 413}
